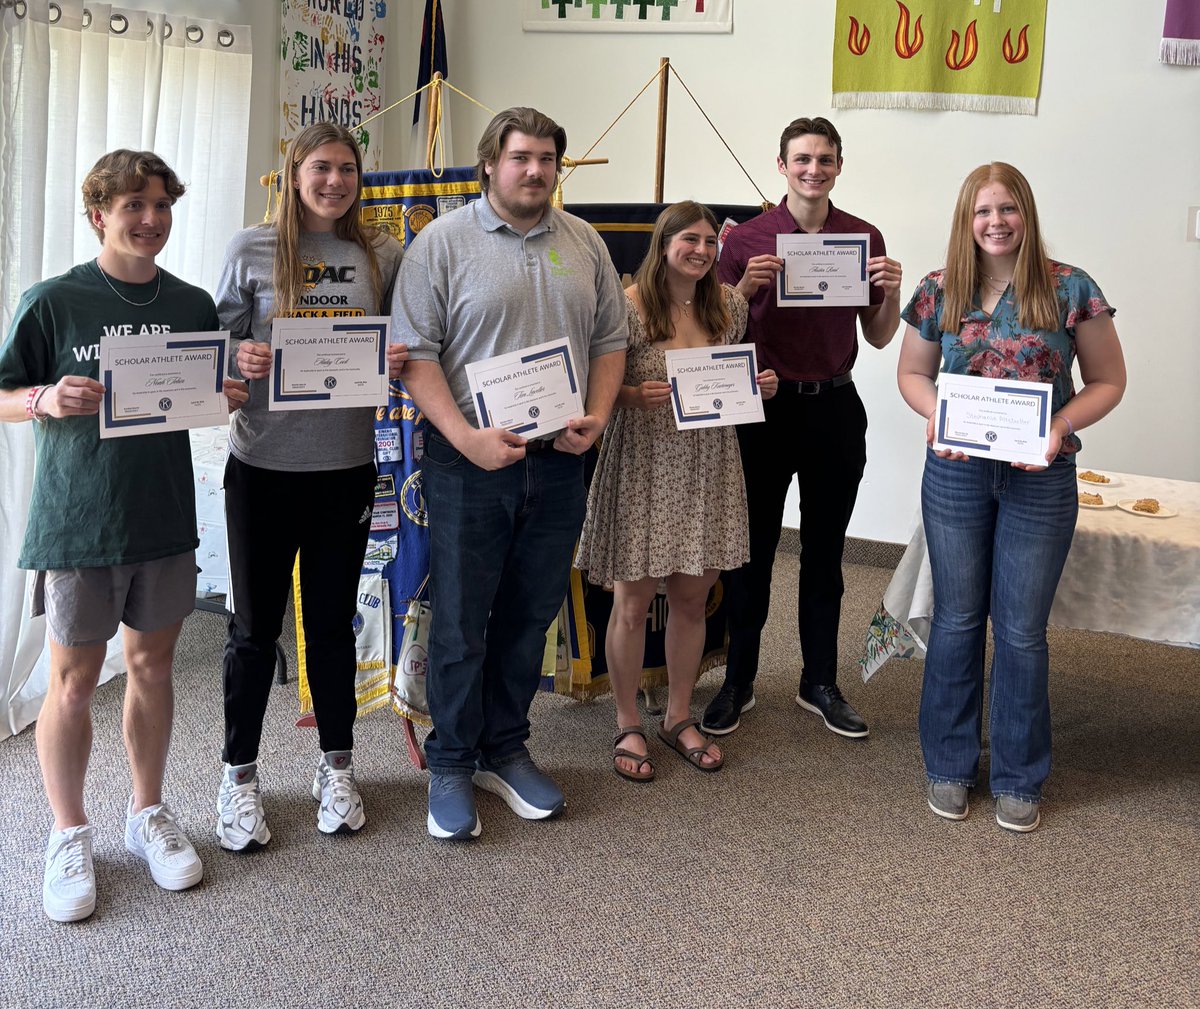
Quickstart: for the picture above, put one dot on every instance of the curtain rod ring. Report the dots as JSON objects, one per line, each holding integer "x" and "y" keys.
{"x": 195, "y": 33}
{"x": 225, "y": 38}
{"x": 118, "y": 24}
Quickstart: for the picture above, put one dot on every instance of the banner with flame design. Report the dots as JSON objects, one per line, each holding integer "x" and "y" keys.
{"x": 978, "y": 55}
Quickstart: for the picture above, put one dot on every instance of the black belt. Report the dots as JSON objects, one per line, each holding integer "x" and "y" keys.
{"x": 539, "y": 445}
{"x": 813, "y": 388}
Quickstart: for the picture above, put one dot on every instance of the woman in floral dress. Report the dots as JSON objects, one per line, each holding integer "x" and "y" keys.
{"x": 999, "y": 532}
{"x": 667, "y": 505}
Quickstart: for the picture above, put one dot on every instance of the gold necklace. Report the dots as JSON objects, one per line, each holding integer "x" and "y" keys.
{"x": 135, "y": 304}
{"x": 685, "y": 307}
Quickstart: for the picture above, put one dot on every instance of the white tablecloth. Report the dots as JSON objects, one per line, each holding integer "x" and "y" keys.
{"x": 1127, "y": 574}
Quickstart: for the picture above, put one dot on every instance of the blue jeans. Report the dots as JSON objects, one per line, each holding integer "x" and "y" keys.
{"x": 998, "y": 538}
{"x": 500, "y": 552}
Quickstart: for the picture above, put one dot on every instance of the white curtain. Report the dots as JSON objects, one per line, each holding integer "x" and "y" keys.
{"x": 78, "y": 79}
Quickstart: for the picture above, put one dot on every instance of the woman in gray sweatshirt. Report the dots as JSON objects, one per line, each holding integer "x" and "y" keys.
{"x": 299, "y": 481}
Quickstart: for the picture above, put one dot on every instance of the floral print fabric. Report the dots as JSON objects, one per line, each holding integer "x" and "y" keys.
{"x": 663, "y": 500}
{"x": 997, "y": 346}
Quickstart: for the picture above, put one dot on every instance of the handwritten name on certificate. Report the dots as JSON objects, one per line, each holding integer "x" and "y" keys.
{"x": 156, "y": 382}
{"x": 714, "y": 386}
{"x": 823, "y": 270}
{"x": 531, "y": 392}
{"x": 993, "y": 418}
{"x": 329, "y": 364}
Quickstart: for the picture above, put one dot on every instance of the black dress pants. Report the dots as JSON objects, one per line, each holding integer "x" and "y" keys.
{"x": 271, "y": 515}
{"x": 821, "y": 440}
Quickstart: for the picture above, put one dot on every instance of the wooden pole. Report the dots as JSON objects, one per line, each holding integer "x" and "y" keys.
{"x": 660, "y": 145}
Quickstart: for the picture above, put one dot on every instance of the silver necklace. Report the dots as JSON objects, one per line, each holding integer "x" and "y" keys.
{"x": 685, "y": 307}
{"x": 135, "y": 304}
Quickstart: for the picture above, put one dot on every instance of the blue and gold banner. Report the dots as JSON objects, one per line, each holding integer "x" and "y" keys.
{"x": 402, "y": 203}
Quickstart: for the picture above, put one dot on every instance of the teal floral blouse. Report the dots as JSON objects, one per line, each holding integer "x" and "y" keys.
{"x": 996, "y": 345}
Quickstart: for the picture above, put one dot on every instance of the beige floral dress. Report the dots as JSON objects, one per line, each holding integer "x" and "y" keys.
{"x": 664, "y": 501}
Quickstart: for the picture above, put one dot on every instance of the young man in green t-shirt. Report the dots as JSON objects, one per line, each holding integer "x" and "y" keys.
{"x": 112, "y": 523}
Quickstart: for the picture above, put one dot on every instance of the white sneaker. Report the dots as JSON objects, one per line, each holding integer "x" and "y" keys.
{"x": 241, "y": 820}
{"x": 69, "y": 885}
{"x": 154, "y": 836}
{"x": 341, "y": 810}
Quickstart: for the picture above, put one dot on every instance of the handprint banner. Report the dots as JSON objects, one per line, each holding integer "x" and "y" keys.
{"x": 977, "y": 55}
{"x": 331, "y": 68}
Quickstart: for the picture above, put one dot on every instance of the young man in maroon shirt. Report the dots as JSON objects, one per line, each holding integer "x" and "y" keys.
{"x": 815, "y": 430}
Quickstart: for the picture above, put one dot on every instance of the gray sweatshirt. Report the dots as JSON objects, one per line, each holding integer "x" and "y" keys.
{"x": 338, "y": 284}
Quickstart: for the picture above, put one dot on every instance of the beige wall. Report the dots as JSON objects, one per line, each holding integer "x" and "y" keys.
{"x": 1113, "y": 156}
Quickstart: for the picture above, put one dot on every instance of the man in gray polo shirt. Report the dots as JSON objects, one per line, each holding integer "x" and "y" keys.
{"x": 501, "y": 274}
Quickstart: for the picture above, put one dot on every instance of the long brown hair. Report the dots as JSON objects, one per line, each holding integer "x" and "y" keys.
{"x": 712, "y": 315}
{"x": 1033, "y": 276}
{"x": 288, "y": 273}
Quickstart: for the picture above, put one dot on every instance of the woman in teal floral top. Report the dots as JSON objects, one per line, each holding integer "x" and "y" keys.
{"x": 999, "y": 532}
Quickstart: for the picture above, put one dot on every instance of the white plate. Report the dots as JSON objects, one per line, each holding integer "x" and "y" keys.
{"x": 1126, "y": 505}
{"x": 1112, "y": 480}
{"x": 1108, "y": 503}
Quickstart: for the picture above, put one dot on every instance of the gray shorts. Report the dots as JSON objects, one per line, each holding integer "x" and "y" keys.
{"x": 84, "y": 606}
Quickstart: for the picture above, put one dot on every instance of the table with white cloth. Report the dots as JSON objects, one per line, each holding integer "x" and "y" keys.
{"x": 1127, "y": 574}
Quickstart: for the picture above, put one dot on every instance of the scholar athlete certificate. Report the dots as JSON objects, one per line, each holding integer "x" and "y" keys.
{"x": 155, "y": 382}
{"x": 993, "y": 418}
{"x": 823, "y": 270}
{"x": 531, "y": 392}
{"x": 323, "y": 364}
{"x": 714, "y": 386}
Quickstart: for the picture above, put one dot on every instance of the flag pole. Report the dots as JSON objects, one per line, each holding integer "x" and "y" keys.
{"x": 660, "y": 141}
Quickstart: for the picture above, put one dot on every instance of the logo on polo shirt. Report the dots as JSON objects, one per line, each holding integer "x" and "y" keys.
{"x": 557, "y": 269}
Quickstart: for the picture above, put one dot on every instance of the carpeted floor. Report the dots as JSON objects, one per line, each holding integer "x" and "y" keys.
{"x": 809, "y": 872}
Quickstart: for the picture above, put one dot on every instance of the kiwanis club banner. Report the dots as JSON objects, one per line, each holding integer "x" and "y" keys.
{"x": 627, "y": 15}
{"x": 397, "y": 561}
{"x": 978, "y": 55}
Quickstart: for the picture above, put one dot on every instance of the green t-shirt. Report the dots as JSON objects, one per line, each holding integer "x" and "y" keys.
{"x": 118, "y": 501}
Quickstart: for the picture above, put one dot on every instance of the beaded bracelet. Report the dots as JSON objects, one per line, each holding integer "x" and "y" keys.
{"x": 40, "y": 417}
{"x": 30, "y": 398}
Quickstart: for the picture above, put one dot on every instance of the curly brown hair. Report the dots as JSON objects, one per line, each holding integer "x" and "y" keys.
{"x": 124, "y": 171}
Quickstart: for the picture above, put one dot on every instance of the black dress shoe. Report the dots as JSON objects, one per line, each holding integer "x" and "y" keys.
{"x": 724, "y": 711}
{"x": 827, "y": 701}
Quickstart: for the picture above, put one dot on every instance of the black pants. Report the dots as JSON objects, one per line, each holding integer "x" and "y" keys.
{"x": 271, "y": 515}
{"x": 821, "y": 440}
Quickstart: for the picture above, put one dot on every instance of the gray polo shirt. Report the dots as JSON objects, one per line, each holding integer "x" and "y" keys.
{"x": 471, "y": 286}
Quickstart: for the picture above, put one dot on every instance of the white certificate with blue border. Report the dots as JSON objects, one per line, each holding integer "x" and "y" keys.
{"x": 156, "y": 382}
{"x": 531, "y": 392}
{"x": 820, "y": 270}
{"x": 714, "y": 386}
{"x": 993, "y": 418}
{"x": 329, "y": 364}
